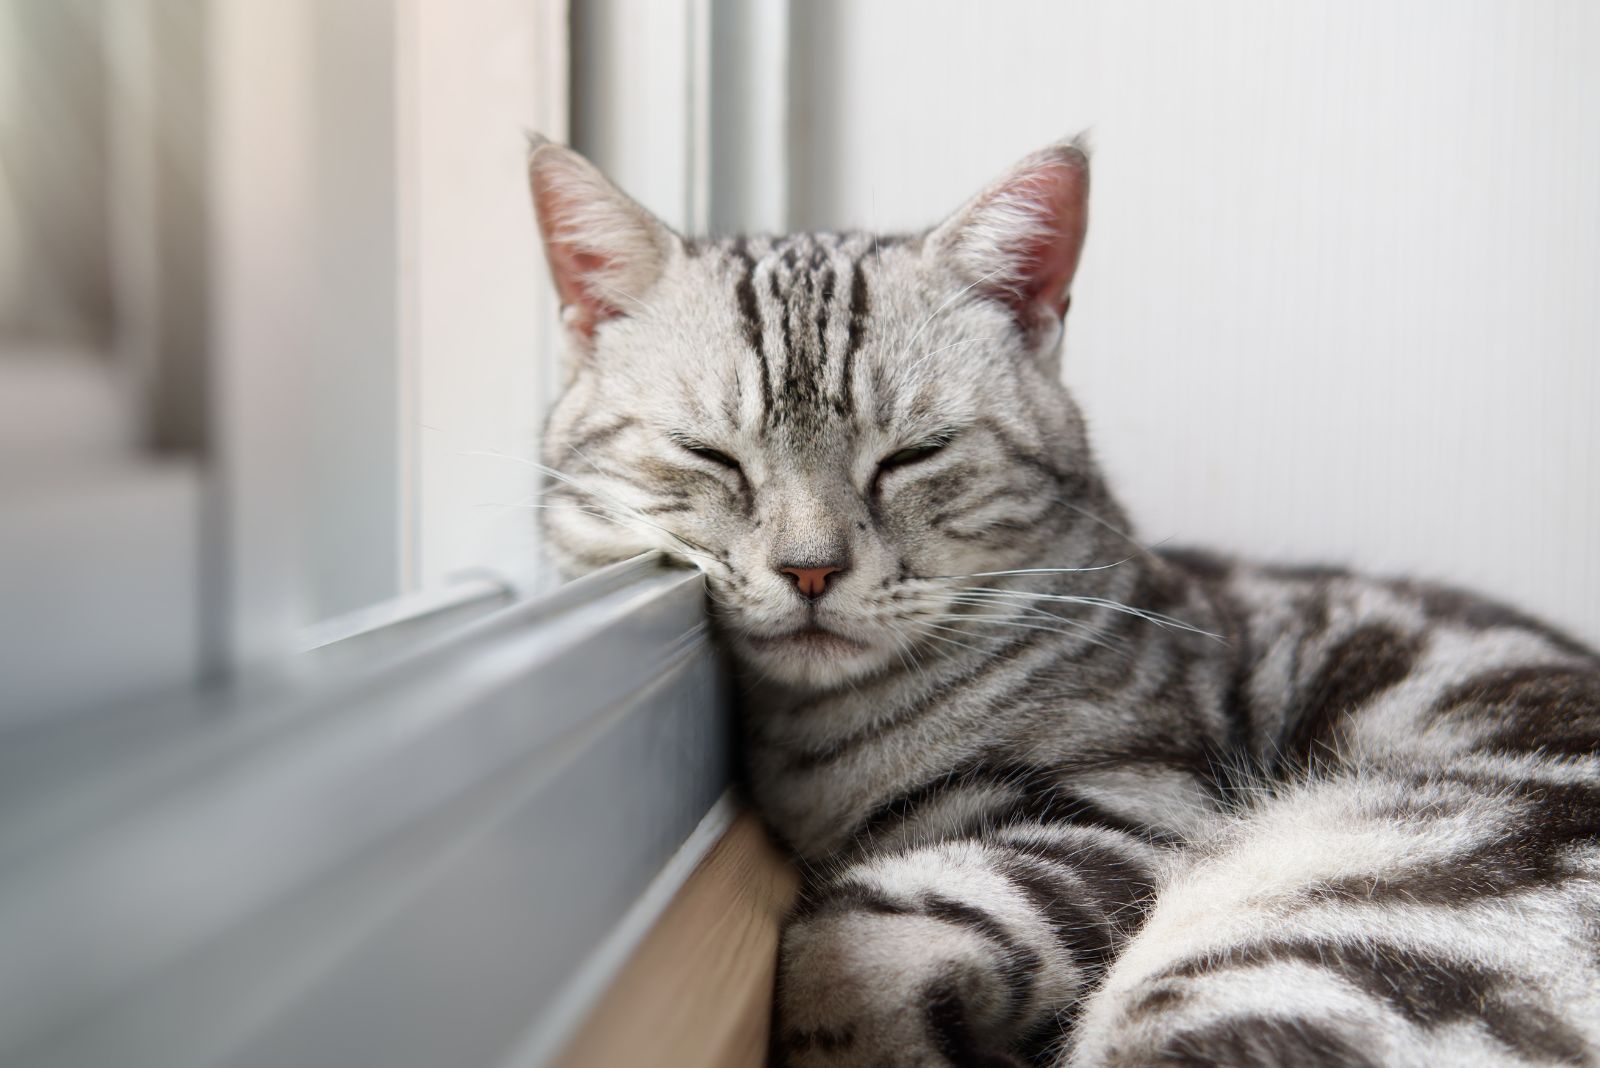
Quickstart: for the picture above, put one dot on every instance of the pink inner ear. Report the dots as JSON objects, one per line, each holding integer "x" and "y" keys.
{"x": 574, "y": 268}
{"x": 1046, "y": 253}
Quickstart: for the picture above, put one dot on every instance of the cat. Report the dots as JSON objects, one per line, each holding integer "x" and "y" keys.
{"x": 1060, "y": 799}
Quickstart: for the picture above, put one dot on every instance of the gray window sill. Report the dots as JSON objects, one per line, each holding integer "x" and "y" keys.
{"x": 419, "y": 852}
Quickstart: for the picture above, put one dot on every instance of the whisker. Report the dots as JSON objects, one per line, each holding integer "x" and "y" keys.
{"x": 1013, "y": 607}
{"x": 906, "y": 647}
{"x": 642, "y": 518}
{"x": 1078, "y": 630}
{"x": 926, "y": 356}
{"x": 617, "y": 504}
{"x": 615, "y": 292}
{"x": 1157, "y": 618}
{"x": 621, "y": 521}
{"x": 1037, "y": 571}
{"x": 1141, "y": 547}
{"x": 951, "y": 641}
{"x": 937, "y": 311}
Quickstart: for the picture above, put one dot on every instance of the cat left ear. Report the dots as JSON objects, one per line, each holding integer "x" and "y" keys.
{"x": 1019, "y": 240}
{"x": 605, "y": 250}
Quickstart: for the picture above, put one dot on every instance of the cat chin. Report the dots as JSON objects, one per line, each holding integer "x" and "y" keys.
{"x": 811, "y": 659}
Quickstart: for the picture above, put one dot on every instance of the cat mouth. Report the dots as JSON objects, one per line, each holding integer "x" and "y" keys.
{"x": 808, "y": 639}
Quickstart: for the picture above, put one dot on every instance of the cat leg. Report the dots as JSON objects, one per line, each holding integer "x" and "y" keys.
{"x": 1431, "y": 918}
{"x": 964, "y": 952}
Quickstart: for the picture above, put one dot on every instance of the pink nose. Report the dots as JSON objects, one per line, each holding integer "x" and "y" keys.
{"x": 812, "y": 582}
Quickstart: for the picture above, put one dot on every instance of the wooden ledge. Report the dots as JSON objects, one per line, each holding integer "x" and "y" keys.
{"x": 698, "y": 991}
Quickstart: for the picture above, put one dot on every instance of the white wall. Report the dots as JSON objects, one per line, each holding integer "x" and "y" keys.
{"x": 477, "y": 318}
{"x": 1340, "y": 298}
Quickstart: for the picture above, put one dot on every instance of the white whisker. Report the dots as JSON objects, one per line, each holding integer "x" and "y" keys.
{"x": 1157, "y": 618}
{"x": 1070, "y": 628}
{"x": 926, "y": 356}
{"x": 1037, "y": 571}
{"x": 621, "y": 521}
{"x": 607, "y": 499}
{"x": 953, "y": 298}
{"x": 950, "y": 641}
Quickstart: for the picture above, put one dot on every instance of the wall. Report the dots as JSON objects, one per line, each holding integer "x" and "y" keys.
{"x": 478, "y": 320}
{"x": 1340, "y": 294}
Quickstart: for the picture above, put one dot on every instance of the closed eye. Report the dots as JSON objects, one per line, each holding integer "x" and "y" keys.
{"x": 913, "y": 454}
{"x": 706, "y": 452}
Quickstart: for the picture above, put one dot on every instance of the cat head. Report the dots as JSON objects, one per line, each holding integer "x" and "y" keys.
{"x": 845, "y": 432}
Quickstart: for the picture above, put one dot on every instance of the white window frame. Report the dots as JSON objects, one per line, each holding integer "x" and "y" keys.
{"x": 431, "y": 831}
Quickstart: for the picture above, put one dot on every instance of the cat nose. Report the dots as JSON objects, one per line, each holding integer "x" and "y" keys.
{"x": 812, "y": 582}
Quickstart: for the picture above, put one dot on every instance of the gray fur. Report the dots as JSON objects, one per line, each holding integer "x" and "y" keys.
{"x": 1111, "y": 808}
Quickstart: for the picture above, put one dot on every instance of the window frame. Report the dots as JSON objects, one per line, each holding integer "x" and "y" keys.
{"x": 529, "y": 774}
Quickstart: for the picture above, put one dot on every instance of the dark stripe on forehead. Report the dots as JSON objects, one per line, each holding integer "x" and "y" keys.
{"x": 856, "y": 326}
{"x": 794, "y": 282}
{"x": 750, "y": 314}
{"x": 789, "y": 319}
{"x": 775, "y": 291}
{"x": 826, "y": 278}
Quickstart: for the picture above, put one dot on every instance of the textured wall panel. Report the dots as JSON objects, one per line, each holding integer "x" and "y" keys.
{"x": 1340, "y": 294}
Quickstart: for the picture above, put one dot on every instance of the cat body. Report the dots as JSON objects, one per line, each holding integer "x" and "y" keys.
{"x": 1060, "y": 799}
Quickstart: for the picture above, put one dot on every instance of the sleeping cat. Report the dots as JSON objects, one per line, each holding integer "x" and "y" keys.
{"x": 1061, "y": 799}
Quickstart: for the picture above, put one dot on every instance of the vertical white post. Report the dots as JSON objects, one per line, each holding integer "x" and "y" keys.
{"x": 750, "y": 169}
{"x": 353, "y": 511}
{"x": 261, "y": 138}
{"x": 697, "y": 180}
{"x": 634, "y": 89}
{"x": 478, "y": 322}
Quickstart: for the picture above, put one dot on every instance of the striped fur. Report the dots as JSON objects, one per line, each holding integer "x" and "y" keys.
{"x": 1062, "y": 800}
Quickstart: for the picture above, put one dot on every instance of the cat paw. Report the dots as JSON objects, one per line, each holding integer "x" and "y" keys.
{"x": 884, "y": 994}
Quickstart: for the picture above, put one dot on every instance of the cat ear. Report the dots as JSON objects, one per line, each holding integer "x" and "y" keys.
{"x": 1019, "y": 240}
{"x": 605, "y": 251}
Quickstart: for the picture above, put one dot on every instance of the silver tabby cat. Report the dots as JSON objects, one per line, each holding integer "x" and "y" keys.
{"x": 1060, "y": 799}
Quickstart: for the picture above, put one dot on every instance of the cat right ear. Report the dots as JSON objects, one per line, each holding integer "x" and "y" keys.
{"x": 1019, "y": 240}
{"x": 605, "y": 250}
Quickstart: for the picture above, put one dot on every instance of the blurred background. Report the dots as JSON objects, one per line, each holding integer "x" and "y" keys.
{"x": 275, "y": 332}
{"x": 276, "y": 344}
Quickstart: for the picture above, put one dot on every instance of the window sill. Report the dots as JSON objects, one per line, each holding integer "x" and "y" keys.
{"x": 400, "y": 861}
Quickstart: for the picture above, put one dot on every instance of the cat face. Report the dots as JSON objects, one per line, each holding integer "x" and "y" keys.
{"x": 842, "y": 431}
